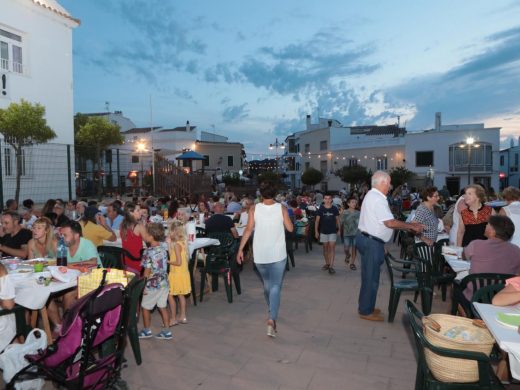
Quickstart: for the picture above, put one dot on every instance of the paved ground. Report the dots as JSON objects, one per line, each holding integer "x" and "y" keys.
{"x": 321, "y": 344}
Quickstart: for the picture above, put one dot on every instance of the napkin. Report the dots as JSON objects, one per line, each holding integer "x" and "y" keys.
{"x": 64, "y": 277}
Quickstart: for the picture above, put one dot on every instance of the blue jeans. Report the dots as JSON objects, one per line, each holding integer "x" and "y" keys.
{"x": 372, "y": 257}
{"x": 272, "y": 278}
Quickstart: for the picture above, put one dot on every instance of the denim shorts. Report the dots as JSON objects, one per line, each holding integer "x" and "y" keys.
{"x": 328, "y": 237}
{"x": 349, "y": 240}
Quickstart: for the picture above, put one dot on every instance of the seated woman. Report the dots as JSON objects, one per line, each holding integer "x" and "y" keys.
{"x": 43, "y": 243}
{"x": 7, "y": 322}
{"x": 496, "y": 254}
{"x": 95, "y": 227}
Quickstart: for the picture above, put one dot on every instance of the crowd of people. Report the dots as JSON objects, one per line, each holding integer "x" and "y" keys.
{"x": 363, "y": 220}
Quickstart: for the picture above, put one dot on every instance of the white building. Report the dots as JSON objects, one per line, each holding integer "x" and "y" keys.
{"x": 509, "y": 163}
{"x": 445, "y": 151}
{"x": 36, "y": 65}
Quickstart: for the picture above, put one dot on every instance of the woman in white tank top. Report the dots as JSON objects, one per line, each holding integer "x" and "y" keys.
{"x": 512, "y": 210}
{"x": 268, "y": 220}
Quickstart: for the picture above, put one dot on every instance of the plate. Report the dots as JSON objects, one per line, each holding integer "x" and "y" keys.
{"x": 511, "y": 320}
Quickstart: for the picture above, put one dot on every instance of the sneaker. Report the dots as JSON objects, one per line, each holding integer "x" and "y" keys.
{"x": 145, "y": 334}
{"x": 332, "y": 271}
{"x": 164, "y": 335}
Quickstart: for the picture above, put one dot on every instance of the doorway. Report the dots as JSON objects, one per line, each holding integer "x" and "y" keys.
{"x": 453, "y": 184}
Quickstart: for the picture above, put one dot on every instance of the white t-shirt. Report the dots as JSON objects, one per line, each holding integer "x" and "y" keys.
{"x": 374, "y": 212}
{"x": 269, "y": 238}
{"x": 456, "y": 220}
{"x": 513, "y": 211}
{"x": 8, "y": 322}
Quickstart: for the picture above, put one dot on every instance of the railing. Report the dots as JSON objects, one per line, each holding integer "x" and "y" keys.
{"x": 11, "y": 65}
{"x": 172, "y": 180}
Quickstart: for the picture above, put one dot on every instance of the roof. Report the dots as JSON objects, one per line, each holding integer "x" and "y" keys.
{"x": 377, "y": 130}
{"x": 219, "y": 142}
{"x": 138, "y": 130}
{"x": 179, "y": 128}
{"x": 52, "y": 5}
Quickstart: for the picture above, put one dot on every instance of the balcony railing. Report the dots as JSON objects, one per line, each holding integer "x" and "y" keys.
{"x": 11, "y": 66}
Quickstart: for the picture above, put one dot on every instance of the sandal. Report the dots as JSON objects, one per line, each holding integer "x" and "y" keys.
{"x": 184, "y": 321}
{"x": 174, "y": 323}
{"x": 353, "y": 267}
{"x": 325, "y": 267}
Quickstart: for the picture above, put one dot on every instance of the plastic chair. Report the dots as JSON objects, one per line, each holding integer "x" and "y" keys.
{"x": 302, "y": 235}
{"x": 420, "y": 284}
{"x": 133, "y": 293}
{"x": 424, "y": 378}
{"x": 485, "y": 295}
{"x": 113, "y": 256}
{"x": 289, "y": 247}
{"x": 476, "y": 281}
{"x": 220, "y": 260}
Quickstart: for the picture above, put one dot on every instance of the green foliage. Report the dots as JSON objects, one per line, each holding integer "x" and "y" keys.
{"x": 270, "y": 176}
{"x": 400, "y": 175}
{"x": 23, "y": 124}
{"x": 354, "y": 175}
{"x": 231, "y": 179}
{"x": 311, "y": 177}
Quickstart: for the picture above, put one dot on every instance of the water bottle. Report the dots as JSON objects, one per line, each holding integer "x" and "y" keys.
{"x": 61, "y": 254}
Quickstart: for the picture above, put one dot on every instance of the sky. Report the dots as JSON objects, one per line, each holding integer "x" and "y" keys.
{"x": 252, "y": 70}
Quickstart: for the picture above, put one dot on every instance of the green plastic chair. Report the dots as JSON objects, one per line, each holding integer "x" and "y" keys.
{"x": 421, "y": 284}
{"x": 424, "y": 378}
{"x": 113, "y": 256}
{"x": 134, "y": 291}
{"x": 485, "y": 295}
{"x": 477, "y": 281}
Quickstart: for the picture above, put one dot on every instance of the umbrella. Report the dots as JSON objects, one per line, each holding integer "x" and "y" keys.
{"x": 190, "y": 155}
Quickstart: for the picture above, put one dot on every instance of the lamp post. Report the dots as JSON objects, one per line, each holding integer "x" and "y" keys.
{"x": 141, "y": 148}
{"x": 470, "y": 142}
{"x": 277, "y": 145}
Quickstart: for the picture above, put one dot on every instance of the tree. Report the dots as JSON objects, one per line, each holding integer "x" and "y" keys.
{"x": 311, "y": 177}
{"x": 400, "y": 175}
{"x": 23, "y": 124}
{"x": 94, "y": 135}
{"x": 354, "y": 175}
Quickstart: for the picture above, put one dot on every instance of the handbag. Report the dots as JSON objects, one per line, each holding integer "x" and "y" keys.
{"x": 92, "y": 280}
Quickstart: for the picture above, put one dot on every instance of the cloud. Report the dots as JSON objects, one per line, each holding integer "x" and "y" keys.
{"x": 477, "y": 88}
{"x": 235, "y": 113}
{"x": 300, "y": 66}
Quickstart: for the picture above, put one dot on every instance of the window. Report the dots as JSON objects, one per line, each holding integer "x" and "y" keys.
{"x": 323, "y": 166}
{"x": 7, "y": 162}
{"x": 323, "y": 145}
{"x": 382, "y": 163}
{"x": 229, "y": 161}
{"x": 352, "y": 162}
{"x": 424, "y": 159}
{"x": 135, "y": 159}
{"x": 481, "y": 158}
{"x": 297, "y": 166}
{"x": 206, "y": 160}
{"x": 307, "y": 148}
{"x": 307, "y": 165}
{"x": 11, "y": 51}
{"x": 501, "y": 160}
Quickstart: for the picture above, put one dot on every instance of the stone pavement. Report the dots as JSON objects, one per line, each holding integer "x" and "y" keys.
{"x": 321, "y": 343}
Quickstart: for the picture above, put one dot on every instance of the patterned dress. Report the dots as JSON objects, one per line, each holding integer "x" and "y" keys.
{"x": 474, "y": 227}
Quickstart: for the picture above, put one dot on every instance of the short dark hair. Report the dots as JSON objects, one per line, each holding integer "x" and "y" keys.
{"x": 10, "y": 202}
{"x": 428, "y": 192}
{"x": 156, "y": 230}
{"x": 74, "y": 226}
{"x": 117, "y": 204}
{"x": 503, "y": 226}
{"x": 29, "y": 203}
{"x": 267, "y": 190}
{"x": 13, "y": 214}
{"x": 92, "y": 203}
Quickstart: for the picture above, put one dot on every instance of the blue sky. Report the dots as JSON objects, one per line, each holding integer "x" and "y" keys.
{"x": 252, "y": 70}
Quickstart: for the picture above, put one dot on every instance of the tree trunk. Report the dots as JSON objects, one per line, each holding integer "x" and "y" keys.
{"x": 18, "y": 154}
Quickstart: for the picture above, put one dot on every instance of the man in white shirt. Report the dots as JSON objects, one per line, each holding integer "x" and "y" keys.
{"x": 375, "y": 229}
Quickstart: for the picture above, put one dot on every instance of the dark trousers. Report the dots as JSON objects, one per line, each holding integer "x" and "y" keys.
{"x": 372, "y": 257}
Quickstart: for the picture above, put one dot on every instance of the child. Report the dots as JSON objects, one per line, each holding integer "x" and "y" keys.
{"x": 154, "y": 262}
{"x": 7, "y": 322}
{"x": 350, "y": 221}
{"x": 179, "y": 276}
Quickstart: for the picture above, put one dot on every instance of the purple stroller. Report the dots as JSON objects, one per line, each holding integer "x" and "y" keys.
{"x": 88, "y": 353}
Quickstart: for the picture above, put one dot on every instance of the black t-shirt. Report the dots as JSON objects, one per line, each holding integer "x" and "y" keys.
{"x": 16, "y": 241}
{"x": 219, "y": 223}
{"x": 327, "y": 219}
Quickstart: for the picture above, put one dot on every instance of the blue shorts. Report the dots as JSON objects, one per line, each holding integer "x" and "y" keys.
{"x": 349, "y": 240}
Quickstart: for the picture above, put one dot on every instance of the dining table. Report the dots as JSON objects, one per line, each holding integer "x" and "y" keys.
{"x": 453, "y": 256}
{"x": 33, "y": 295}
{"x": 506, "y": 336}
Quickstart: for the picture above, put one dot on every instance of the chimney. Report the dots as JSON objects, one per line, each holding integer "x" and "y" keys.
{"x": 330, "y": 122}
{"x": 437, "y": 121}
{"x": 187, "y": 126}
{"x": 308, "y": 122}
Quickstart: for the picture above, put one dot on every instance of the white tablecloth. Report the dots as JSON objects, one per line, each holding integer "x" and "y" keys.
{"x": 202, "y": 242}
{"x": 461, "y": 267}
{"x": 32, "y": 295}
{"x": 507, "y": 338}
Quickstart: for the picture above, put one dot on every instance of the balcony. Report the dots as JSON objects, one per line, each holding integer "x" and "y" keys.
{"x": 11, "y": 66}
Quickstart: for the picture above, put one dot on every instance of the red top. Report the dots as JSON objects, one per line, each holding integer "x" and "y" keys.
{"x": 133, "y": 243}
{"x": 474, "y": 227}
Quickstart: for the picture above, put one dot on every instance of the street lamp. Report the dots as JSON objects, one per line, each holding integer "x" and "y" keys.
{"x": 141, "y": 148}
{"x": 470, "y": 142}
{"x": 277, "y": 145}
